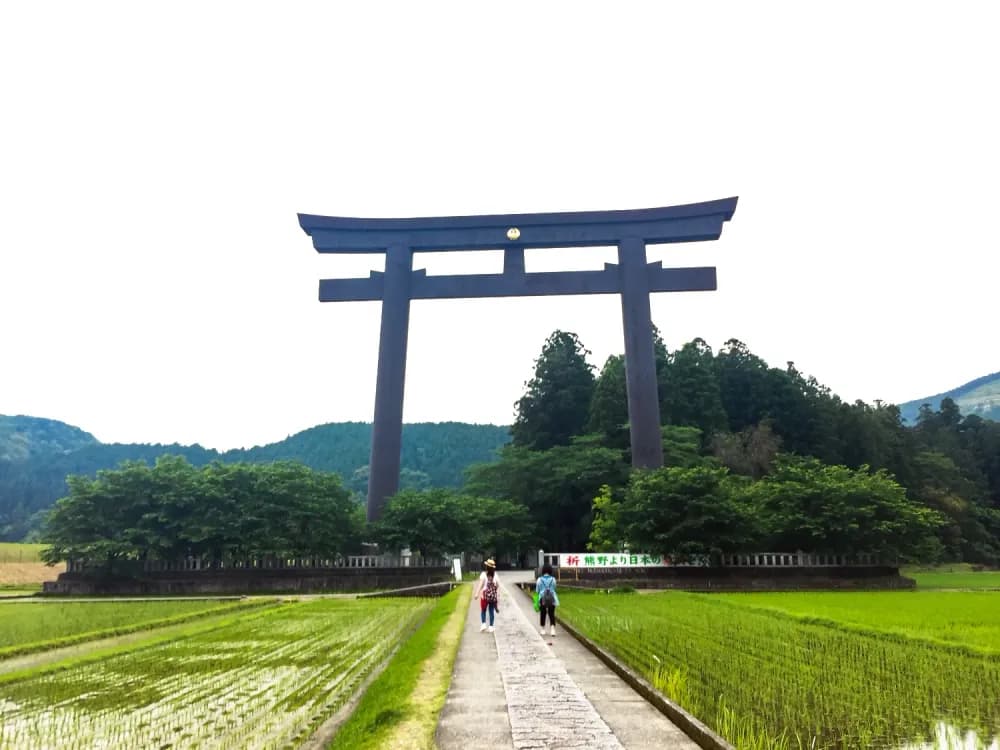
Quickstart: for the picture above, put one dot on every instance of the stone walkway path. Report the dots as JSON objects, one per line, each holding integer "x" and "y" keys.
{"x": 516, "y": 689}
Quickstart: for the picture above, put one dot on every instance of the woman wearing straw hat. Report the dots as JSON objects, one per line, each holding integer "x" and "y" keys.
{"x": 488, "y": 593}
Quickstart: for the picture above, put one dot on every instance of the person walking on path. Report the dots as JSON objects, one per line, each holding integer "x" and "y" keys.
{"x": 548, "y": 599}
{"x": 490, "y": 564}
{"x": 488, "y": 593}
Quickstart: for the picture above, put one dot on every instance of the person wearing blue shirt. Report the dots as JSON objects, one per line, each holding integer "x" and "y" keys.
{"x": 548, "y": 599}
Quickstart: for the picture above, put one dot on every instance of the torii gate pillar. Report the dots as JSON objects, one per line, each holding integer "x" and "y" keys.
{"x": 640, "y": 357}
{"x": 387, "y": 427}
{"x": 632, "y": 277}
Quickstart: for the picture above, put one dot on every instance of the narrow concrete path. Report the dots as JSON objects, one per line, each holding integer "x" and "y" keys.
{"x": 475, "y": 710}
{"x": 520, "y": 690}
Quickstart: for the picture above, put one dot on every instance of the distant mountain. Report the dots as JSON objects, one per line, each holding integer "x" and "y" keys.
{"x": 22, "y": 437}
{"x": 980, "y": 397}
{"x": 441, "y": 450}
{"x": 36, "y": 455}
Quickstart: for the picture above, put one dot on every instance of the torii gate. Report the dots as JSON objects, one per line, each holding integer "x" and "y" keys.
{"x": 631, "y": 277}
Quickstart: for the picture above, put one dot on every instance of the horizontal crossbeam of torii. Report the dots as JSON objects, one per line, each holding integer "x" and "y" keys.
{"x": 632, "y": 277}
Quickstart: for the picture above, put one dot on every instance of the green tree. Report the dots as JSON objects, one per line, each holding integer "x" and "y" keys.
{"x": 556, "y": 405}
{"x": 84, "y": 525}
{"x": 981, "y": 438}
{"x": 693, "y": 397}
{"x": 609, "y": 404}
{"x": 431, "y": 523}
{"x": 174, "y": 509}
{"x": 680, "y": 512}
{"x": 941, "y": 485}
{"x": 875, "y": 436}
{"x": 682, "y": 446}
{"x": 36, "y": 456}
{"x": 498, "y": 526}
{"x": 806, "y": 505}
{"x": 743, "y": 385}
{"x": 439, "y": 521}
{"x": 556, "y": 486}
{"x": 606, "y": 532}
{"x": 802, "y": 412}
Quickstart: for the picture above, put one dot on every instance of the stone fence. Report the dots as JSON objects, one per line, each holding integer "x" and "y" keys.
{"x": 796, "y": 560}
{"x": 758, "y": 571}
{"x": 717, "y": 578}
{"x": 632, "y": 561}
{"x": 263, "y": 562}
{"x": 194, "y": 576}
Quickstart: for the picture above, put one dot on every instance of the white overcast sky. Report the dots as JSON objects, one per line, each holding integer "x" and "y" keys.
{"x": 155, "y": 285}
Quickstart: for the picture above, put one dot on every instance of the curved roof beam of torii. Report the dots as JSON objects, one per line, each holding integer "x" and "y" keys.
{"x": 693, "y": 222}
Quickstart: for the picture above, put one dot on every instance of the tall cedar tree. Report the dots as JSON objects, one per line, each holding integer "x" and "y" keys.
{"x": 609, "y": 406}
{"x": 693, "y": 396}
{"x": 557, "y": 402}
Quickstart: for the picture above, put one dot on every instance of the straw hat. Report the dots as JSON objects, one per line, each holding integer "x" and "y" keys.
{"x": 491, "y": 563}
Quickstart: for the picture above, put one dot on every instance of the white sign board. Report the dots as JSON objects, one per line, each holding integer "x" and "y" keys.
{"x": 611, "y": 560}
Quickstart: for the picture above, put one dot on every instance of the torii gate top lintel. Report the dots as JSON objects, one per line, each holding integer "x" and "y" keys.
{"x": 692, "y": 222}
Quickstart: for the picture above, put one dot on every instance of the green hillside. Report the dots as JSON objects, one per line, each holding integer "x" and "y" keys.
{"x": 23, "y": 437}
{"x": 37, "y": 455}
{"x": 980, "y": 397}
{"x": 441, "y": 450}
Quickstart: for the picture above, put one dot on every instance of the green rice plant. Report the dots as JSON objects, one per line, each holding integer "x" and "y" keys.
{"x": 745, "y": 733}
{"x": 961, "y": 577}
{"x": 784, "y": 679}
{"x": 965, "y": 619}
{"x": 264, "y": 679}
{"x": 31, "y": 626}
{"x": 671, "y": 682}
{"x": 92, "y": 653}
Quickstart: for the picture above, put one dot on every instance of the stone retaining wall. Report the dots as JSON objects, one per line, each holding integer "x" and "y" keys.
{"x": 246, "y": 581}
{"x": 431, "y": 589}
{"x": 740, "y": 579}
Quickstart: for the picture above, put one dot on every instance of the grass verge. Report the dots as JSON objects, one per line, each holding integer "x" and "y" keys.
{"x": 401, "y": 707}
{"x": 7, "y": 591}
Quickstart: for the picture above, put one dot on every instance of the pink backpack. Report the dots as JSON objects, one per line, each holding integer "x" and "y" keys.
{"x": 490, "y": 590}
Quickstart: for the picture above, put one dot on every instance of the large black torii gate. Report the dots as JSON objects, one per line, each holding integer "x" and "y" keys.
{"x": 632, "y": 277}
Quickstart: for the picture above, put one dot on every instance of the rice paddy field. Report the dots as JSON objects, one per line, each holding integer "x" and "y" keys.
{"x": 16, "y": 552}
{"x": 37, "y": 625}
{"x": 961, "y": 619}
{"x": 955, "y": 577}
{"x": 21, "y": 570}
{"x": 261, "y": 679}
{"x": 830, "y": 671}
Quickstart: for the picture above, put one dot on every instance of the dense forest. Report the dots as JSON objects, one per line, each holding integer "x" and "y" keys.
{"x": 757, "y": 458}
{"x": 36, "y": 456}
